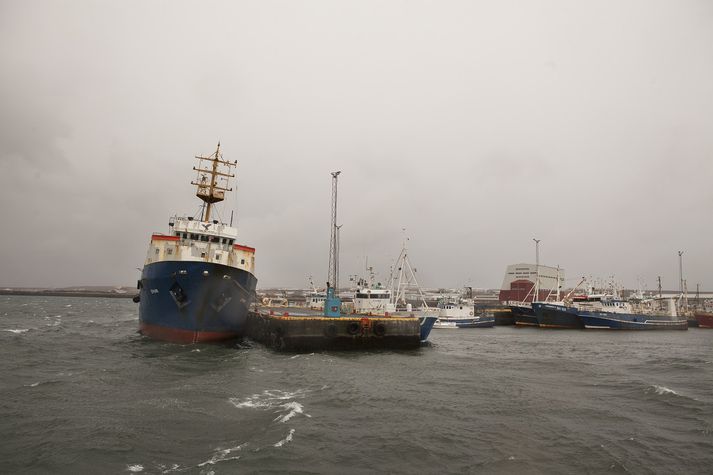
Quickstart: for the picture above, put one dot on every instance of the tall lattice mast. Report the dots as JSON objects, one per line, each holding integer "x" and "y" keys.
{"x": 210, "y": 179}
{"x": 333, "y": 272}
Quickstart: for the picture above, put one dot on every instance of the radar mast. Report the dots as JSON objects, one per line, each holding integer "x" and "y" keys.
{"x": 210, "y": 178}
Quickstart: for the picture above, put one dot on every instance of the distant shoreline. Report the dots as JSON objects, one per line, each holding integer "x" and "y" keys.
{"x": 69, "y": 293}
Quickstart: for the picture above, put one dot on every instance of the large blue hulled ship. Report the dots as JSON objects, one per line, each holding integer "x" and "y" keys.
{"x": 657, "y": 314}
{"x": 197, "y": 283}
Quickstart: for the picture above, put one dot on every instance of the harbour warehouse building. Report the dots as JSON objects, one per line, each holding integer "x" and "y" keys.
{"x": 520, "y": 279}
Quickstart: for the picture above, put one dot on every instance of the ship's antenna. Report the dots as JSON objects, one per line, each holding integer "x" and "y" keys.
{"x": 207, "y": 181}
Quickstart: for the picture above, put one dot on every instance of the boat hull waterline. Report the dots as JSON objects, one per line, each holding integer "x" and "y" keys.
{"x": 459, "y": 323}
{"x": 630, "y": 321}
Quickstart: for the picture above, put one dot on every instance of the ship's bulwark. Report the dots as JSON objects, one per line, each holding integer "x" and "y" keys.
{"x": 188, "y": 302}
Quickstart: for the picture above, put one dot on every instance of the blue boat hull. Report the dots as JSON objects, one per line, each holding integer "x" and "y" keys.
{"x": 523, "y": 316}
{"x": 465, "y": 322}
{"x": 557, "y": 316}
{"x": 629, "y": 321}
{"x": 189, "y": 302}
{"x": 426, "y": 324}
{"x": 485, "y": 322}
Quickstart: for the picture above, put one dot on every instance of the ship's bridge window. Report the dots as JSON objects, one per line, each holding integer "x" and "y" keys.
{"x": 204, "y": 238}
{"x": 194, "y": 236}
{"x": 185, "y": 235}
{"x": 215, "y": 239}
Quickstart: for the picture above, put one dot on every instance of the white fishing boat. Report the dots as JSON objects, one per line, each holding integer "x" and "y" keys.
{"x": 315, "y": 299}
{"x": 460, "y": 313}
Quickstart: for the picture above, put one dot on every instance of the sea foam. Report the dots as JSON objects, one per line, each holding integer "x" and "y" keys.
{"x": 281, "y": 401}
{"x": 286, "y": 439}
{"x": 294, "y": 408}
{"x": 661, "y": 390}
{"x": 221, "y": 455}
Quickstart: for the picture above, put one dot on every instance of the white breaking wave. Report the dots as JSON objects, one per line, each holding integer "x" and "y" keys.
{"x": 221, "y": 455}
{"x": 661, "y": 390}
{"x": 16, "y": 330}
{"x": 282, "y": 401}
{"x": 135, "y": 468}
{"x": 294, "y": 408}
{"x": 269, "y": 398}
{"x": 286, "y": 439}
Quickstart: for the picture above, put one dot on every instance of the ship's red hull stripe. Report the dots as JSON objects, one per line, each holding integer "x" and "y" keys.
{"x": 163, "y": 237}
{"x": 177, "y": 335}
{"x": 244, "y": 248}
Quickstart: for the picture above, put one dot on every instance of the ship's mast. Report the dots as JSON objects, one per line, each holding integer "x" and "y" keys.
{"x": 558, "y": 283}
{"x": 536, "y": 294}
{"x": 207, "y": 181}
{"x": 406, "y": 278}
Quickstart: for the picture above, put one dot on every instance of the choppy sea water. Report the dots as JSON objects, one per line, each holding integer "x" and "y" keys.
{"x": 82, "y": 392}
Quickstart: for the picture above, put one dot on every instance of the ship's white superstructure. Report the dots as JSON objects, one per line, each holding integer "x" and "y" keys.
{"x": 456, "y": 309}
{"x": 374, "y": 301}
{"x": 192, "y": 240}
{"x": 315, "y": 300}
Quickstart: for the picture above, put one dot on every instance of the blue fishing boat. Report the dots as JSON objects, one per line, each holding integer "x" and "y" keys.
{"x": 620, "y": 315}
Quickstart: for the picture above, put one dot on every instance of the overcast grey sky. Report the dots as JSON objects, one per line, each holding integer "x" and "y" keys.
{"x": 476, "y": 125}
